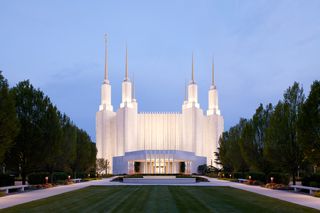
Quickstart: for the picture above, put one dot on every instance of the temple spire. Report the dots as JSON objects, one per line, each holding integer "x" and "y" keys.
{"x": 126, "y": 74}
{"x": 192, "y": 73}
{"x": 212, "y": 72}
{"x": 133, "y": 89}
{"x": 106, "y": 80}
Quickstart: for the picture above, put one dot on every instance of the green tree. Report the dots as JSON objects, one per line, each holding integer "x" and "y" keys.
{"x": 51, "y": 142}
{"x": 9, "y": 125}
{"x": 309, "y": 125}
{"x": 69, "y": 141}
{"x": 31, "y": 108}
{"x": 102, "y": 166}
{"x": 86, "y": 153}
{"x": 229, "y": 149}
{"x": 282, "y": 145}
{"x": 253, "y": 139}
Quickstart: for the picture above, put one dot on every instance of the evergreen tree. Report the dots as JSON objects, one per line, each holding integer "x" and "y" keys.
{"x": 9, "y": 126}
{"x": 309, "y": 125}
{"x": 282, "y": 145}
{"x": 32, "y": 108}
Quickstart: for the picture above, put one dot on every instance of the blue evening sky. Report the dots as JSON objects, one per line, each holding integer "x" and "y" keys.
{"x": 260, "y": 49}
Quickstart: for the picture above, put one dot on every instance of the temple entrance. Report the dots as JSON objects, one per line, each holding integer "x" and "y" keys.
{"x": 159, "y": 166}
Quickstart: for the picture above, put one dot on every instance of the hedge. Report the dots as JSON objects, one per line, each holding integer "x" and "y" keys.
{"x": 238, "y": 175}
{"x": 260, "y": 176}
{"x": 58, "y": 176}
{"x": 6, "y": 180}
{"x": 279, "y": 178}
{"x": 311, "y": 180}
{"x": 38, "y": 178}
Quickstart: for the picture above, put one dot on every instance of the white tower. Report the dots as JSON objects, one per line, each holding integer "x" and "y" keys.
{"x": 215, "y": 123}
{"x": 105, "y": 118}
{"x": 127, "y": 117}
{"x": 192, "y": 119}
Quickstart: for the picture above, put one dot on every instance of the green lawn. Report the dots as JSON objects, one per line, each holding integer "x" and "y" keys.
{"x": 158, "y": 199}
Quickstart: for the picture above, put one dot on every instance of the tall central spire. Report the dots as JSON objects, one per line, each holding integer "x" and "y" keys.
{"x": 126, "y": 74}
{"x": 106, "y": 80}
{"x": 212, "y": 72}
{"x": 192, "y": 73}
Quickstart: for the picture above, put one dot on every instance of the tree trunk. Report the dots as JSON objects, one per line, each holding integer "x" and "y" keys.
{"x": 24, "y": 177}
{"x": 294, "y": 178}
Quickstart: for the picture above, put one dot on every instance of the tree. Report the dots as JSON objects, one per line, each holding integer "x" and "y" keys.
{"x": 86, "y": 153}
{"x": 309, "y": 125}
{"x": 282, "y": 145}
{"x": 253, "y": 139}
{"x": 52, "y": 145}
{"x": 102, "y": 166}
{"x": 31, "y": 108}
{"x": 69, "y": 141}
{"x": 9, "y": 125}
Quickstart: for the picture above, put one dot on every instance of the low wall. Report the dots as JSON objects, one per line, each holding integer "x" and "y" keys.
{"x": 159, "y": 180}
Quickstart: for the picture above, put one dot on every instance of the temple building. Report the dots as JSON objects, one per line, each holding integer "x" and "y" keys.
{"x": 157, "y": 142}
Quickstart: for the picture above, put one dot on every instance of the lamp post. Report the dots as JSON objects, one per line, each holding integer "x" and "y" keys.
{"x": 46, "y": 178}
{"x": 230, "y": 176}
{"x": 271, "y": 179}
{"x": 69, "y": 178}
{"x": 249, "y": 177}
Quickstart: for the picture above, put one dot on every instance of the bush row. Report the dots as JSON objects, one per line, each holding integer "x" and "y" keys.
{"x": 311, "y": 180}
{"x": 57, "y": 177}
{"x": 260, "y": 176}
{"x": 6, "y": 180}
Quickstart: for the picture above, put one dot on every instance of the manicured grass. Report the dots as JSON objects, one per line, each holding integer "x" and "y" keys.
{"x": 158, "y": 199}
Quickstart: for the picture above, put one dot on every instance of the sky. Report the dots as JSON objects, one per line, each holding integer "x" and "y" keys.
{"x": 259, "y": 47}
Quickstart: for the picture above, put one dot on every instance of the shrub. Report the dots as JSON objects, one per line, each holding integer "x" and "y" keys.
{"x": 212, "y": 175}
{"x": 6, "y": 180}
{"x": 84, "y": 175}
{"x": 59, "y": 177}
{"x": 202, "y": 169}
{"x": 316, "y": 194}
{"x": 38, "y": 178}
{"x": 279, "y": 178}
{"x": 201, "y": 179}
{"x": 260, "y": 176}
{"x": 117, "y": 179}
{"x": 106, "y": 175}
{"x": 238, "y": 175}
{"x": 313, "y": 180}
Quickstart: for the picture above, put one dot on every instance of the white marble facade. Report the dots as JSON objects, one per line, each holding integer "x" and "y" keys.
{"x": 159, "y": 141}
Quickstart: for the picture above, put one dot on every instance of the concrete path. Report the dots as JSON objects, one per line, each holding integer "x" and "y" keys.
{"x": 19, "y": 198}
{"x": 301, "y": 199}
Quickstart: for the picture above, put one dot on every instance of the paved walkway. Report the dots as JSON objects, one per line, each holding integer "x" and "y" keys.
{"x": 301, "y": 199}
{"x": 19, "y": 198}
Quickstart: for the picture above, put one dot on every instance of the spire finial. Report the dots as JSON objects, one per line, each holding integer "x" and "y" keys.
{"x": 212, "y": 71}
{"x": 126, "y": 74}
{"x": 106, "y": 80}
{"x": 192, "y": 73}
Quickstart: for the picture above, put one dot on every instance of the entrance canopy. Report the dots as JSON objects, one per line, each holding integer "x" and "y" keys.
{"x": 157, "y": 162}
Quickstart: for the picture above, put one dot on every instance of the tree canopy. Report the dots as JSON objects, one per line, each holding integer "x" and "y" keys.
{"x": 47, "y": 140}
{"x": 284, "y": 138}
